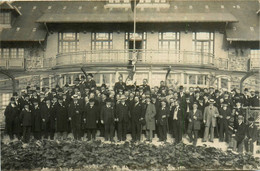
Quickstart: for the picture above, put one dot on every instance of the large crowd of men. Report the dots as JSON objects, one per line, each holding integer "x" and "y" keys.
{"x": 85, "y": 108}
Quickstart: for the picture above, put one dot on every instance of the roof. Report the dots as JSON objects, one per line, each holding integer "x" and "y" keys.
{"x": 144, "y": 18}
{"x": 243, "y": 22}
{"x": 25, "y": 27}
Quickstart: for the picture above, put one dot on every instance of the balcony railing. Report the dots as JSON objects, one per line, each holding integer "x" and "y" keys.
{"x": 143, "y": 56}
{"x": 12, "y": 63}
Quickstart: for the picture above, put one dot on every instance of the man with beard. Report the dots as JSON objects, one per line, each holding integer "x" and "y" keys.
{"x": 122, "y": 117}
{"x": 61, "y": 117}
{"x": 12, "y": 121}
{"x": 75, "y": 116}
{"x": 136, "y": 117}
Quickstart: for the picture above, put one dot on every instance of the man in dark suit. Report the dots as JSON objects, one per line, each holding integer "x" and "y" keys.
{"x": 240, "y": 132}
{"x": 195, "y": 118}
{"x": 36, "y": 113}
{"x": 27, "y": 122}
{"x": 45, "y": 109}
{"x": 61, "y": 116}
{"x": 251, "y": 135}
{"x": 136, "y": 115}
{"x": 91, "y": 115}
{"x": 122, "y": 117}
{"x": 90, "y": 82}
{"x": 161, "y": 120}
{"x": 178, "y": 122}
{"x": 224, "y": 115}
{"x": 107, "y": 116}
{"x": 254, "y": 99}
{"x": 119, "y": 85}
{"x": 75, "y": 116}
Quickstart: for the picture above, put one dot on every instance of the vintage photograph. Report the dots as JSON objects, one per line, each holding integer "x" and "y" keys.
{"x": 129, "y": 85}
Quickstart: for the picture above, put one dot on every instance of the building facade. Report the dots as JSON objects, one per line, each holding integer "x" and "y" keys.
{"x": 205, "y": 43}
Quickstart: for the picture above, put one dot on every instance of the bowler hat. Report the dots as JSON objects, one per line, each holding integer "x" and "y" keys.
{"x": 211, "y": 101}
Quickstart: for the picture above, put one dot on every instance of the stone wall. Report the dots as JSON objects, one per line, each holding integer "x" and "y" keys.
{"x": 238, "y": 63}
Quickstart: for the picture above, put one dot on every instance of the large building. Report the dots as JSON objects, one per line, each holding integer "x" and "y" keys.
{"x": 205, "y": 43}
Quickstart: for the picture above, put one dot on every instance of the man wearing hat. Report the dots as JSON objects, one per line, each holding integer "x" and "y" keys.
{"x": 36, "y": 113}
{"x": 27, "y": 122}
{"x": 137, "y": 118}
{"x": 119, "y": 85}
{"x": 194, "y": 117}
{"x": 90, "y": 118}
{"x": 45, "y": 110}
{"x": 240, "y": 132}
{"x": 150, "y": 113}
{"x": 12, "y": 121}
{"x": 122, "y": 117}
{"x": 162, "y": 120}
{"x": 146, "y": 87}
{"x": 251, "y": 135}
{"x": 254, "y": 99}
{"x": 224, "y": 115}
{"x": 177, "y": 121}
{"x": 108, "y": 119}
{"x": 209, "y": 118}
{"x": 181, "y": 95}
{"x": 238, "y": 110}
{"x": 60, "y": 111}
{"x": 75, "y": 116}
{"x": 90, "y": 82}
{"x": 82, "y": 84}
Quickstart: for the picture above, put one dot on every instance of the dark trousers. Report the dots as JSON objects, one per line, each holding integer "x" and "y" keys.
{"x": 162, "y": 130}
{"x": 223, "y": 131}
{"x": 202, "y": 130}
{"x": 136, "y": 131}
{"x": 109, "y": 131}
{"x": 177, "y": 130}
{"x": 91, "y": 133}
{"x": 249, "y": 145}
{"x": 51, "y": 133}
{"x": 45, "y": 133}
{"x": 101, "y": 129}
{"x": 76, "y": 133}
{"x": 121, "y": 130}
{"x": 37, "y": 135}
{"x": 193, "y": 135}
{"x": 9, "y": 127}
{"x": 170, "y": 126}
{"x": 26, "y": 133}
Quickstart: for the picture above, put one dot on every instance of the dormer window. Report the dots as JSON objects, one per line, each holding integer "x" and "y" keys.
{"x": 5, "y": 18}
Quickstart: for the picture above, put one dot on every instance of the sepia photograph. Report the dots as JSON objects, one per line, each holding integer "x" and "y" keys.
{"x": 129, "y": 85}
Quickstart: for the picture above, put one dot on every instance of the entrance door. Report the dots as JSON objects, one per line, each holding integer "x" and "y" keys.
{"x": 138, "y": 48}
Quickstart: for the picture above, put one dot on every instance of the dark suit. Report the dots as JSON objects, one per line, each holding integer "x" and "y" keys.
{"x": 194, "y": 125}
{"x": 12, "y": 121}
{"x": 37, "y": 122}
{"x": 91, "y": 114}
{"x": 136, "y": 114}
{"x": 118, "y": 86}
{"x": 162, "y": 118}
{"x": 223, "y": 123}
{"x": 240, "y": 135}
{"x": 61, "y": 115}
{"x": 251, "y": 137}
{"x": 45, "y": 115}
{"x": 178, "y": 123}
{"x": 27, "y": 122}
{"x": 122, "y": 114}
{"x": 76, "y": 112}
{"x": 108, "y": 117}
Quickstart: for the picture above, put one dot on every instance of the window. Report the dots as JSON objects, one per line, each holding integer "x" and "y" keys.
{"x": 194, "y": 79}
{"x": 169, "y": 40}
{"x": 6, "y": 99}
{"x": 255, "y": 53}
{"x": 203, "y": 42}
{"x": 12, "y": 53}
{"x": 102, "y": 41}
{"x": 68, "y": 42}
{"x": 5, "y": 18}
{"x": 140, "y": 40}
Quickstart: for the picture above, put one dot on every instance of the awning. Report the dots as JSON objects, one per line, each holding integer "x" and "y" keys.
{"x": 143, "y": 17}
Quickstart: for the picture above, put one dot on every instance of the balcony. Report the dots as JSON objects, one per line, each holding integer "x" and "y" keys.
{"x": 12, "y": 63}
{"x": 144, "y": 57}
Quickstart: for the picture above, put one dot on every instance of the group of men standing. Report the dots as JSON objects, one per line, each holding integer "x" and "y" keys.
{"x": 86, "y": 108}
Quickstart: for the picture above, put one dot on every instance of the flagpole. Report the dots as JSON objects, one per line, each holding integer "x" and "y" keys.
{"x": 134, "y": 25}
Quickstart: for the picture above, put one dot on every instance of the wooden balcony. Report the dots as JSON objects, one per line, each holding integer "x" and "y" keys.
{"x": 12, "y": 63}
{"x": 144, "y": 57}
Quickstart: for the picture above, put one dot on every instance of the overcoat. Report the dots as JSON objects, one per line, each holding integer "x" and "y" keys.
{"x": 61, "y": 115}
{"x": 91, "y": 116}
{"x": 195, "y": 123}
{"x": 150, "y": 113}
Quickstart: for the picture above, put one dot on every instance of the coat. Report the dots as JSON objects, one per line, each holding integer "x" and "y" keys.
{"x": 195, "y": 123}
{"x": 241, "y": 132}
{"x": 26, "y": 118}
{"x": 210, "y": 116}
{"x": 12, "y": 116}
{"x": 251, "y": 132}
{"x": 150, "y": 113}
{"x": 91, "y": 114}
{"x": 224, "y": 114}
{"x": 75, "y": 113}
{"x": 36, "y": 112}
{"x": 108, "y": 115}
{"x": 45, "y": 114}
{"x": 61, "y": 116}
{"x": 162, "y": 116}
{"x": 122, "y": 112}
{"x": 137, "y": 113}
{"x": 119, "y": 85}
